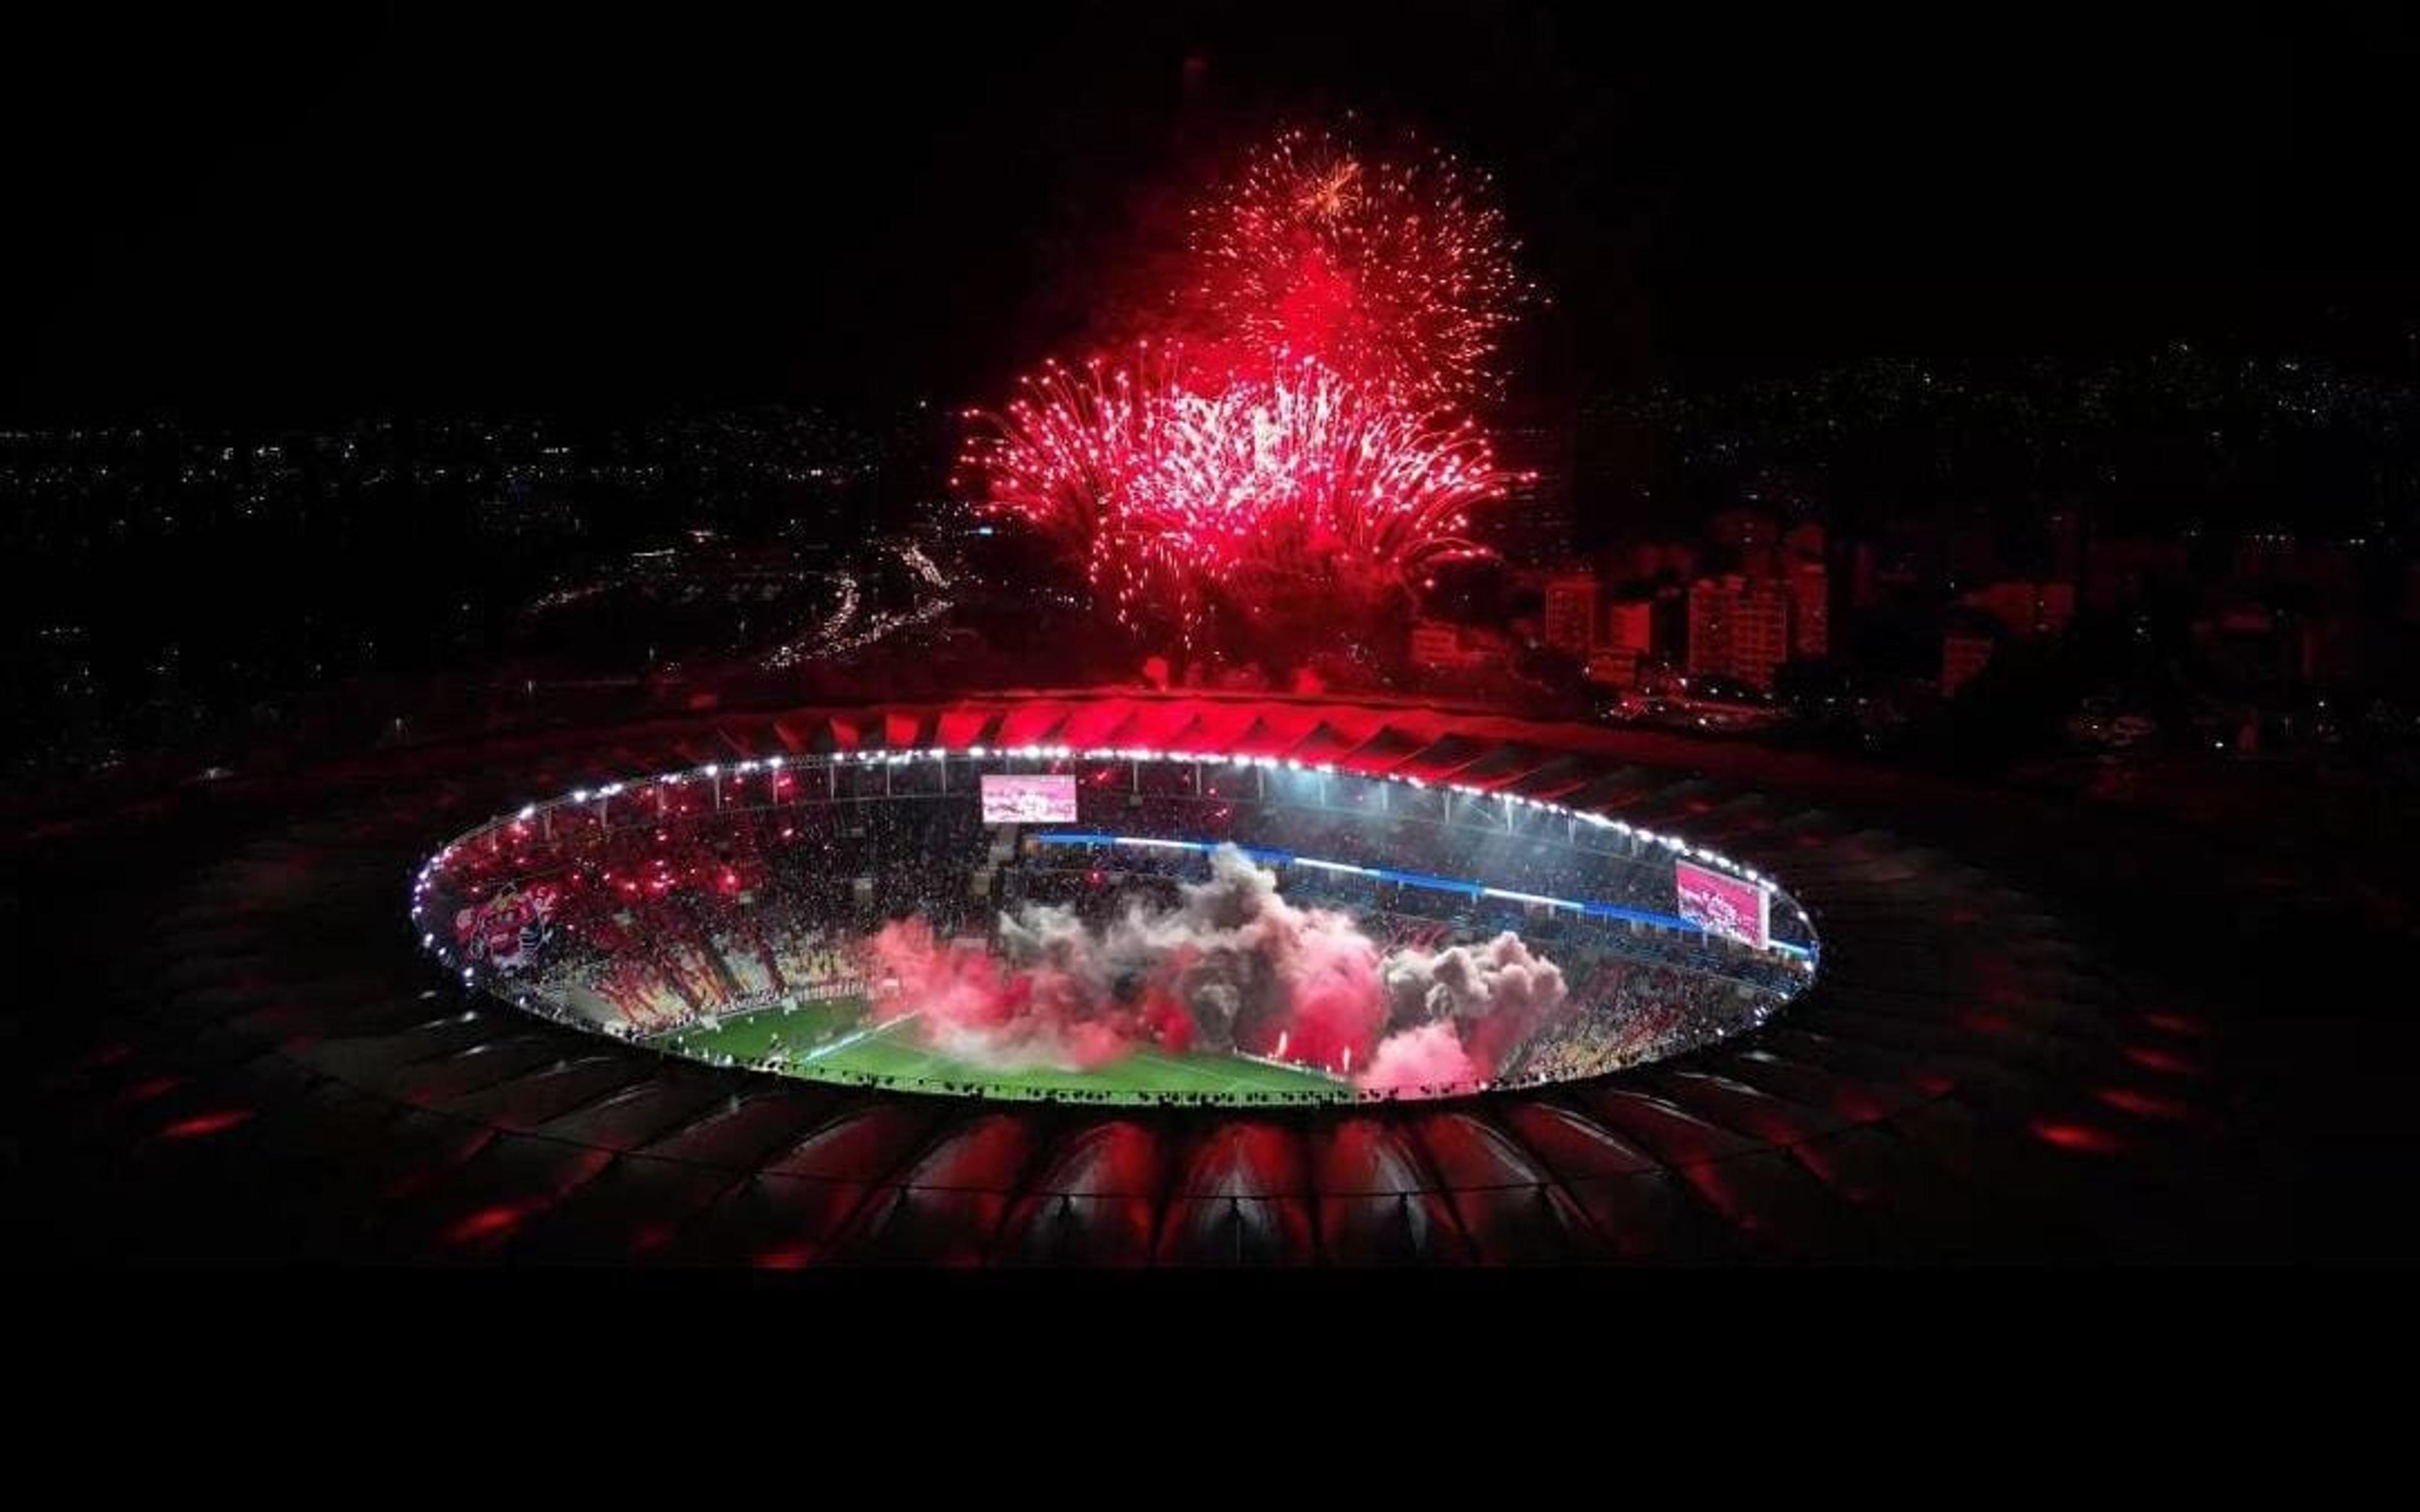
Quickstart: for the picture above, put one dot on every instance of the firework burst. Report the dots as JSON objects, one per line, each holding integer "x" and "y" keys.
{"x": 1303, "y": 448}
{"x": 1394, "y": 273}
{"x": 1308, "y": 477}
{"x": 1170, "y": 495}
{"x": 1067, "y": 456}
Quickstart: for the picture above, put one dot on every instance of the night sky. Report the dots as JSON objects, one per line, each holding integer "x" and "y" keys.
{"x": 313, "y": 216}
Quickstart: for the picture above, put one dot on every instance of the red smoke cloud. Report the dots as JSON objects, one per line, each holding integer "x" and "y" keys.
{"x": 1432, "y": 1055}
{"x": 970, "y": 1006}
{"x": 1232, "y": 965}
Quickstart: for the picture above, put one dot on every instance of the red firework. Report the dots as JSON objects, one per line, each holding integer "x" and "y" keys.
{"x": 1395, "y": 273}
{"x": 1344, "y": 302}
{"x": 1167, "y": 493}
{"x": 1068, "y": 457}
{"x": 1307, "y": 475}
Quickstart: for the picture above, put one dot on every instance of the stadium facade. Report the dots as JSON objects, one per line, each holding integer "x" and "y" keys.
{"x": 273, "y": 1068}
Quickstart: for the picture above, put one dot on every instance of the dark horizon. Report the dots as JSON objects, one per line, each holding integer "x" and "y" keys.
{"x": 299, "y": 219}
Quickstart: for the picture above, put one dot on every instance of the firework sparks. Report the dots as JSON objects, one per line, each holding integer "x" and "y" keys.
{"x": 1346, "y": 305}
{"x": 1394, "y": 274}
{"x": 1071, "y": 457}
{"x": 1167, "y": 492}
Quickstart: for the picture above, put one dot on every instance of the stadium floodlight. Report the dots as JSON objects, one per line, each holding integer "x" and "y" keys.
{"x": 773, "y": 762}
{"x": 580, "y": 794}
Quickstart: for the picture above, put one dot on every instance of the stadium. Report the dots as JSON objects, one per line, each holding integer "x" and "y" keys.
{"x": 1112, "y": 924}
{"x": 276, "y": 1064}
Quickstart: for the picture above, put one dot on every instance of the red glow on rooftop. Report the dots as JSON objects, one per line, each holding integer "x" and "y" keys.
{"x": 2153, "y": 1059}
{"x": 485, "y": 1224}
{"x": 203, "y": 1125}
{"x": 2081, "y": 1137}
{"x": 144, "y": 1092}
{"x": 2144, "y": 1105}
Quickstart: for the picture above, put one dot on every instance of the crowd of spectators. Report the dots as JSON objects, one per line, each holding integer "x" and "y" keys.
{"x": 1625, "y": 1011}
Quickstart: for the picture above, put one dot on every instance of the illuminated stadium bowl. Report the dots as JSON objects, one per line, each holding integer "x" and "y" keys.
{"x": 270, "y": 1068}
{"x": 1111, "y": 925}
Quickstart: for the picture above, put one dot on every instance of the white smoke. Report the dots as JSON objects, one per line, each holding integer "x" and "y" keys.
{"x": 1466, "y": 983}
{"x": 1231, "y": 964}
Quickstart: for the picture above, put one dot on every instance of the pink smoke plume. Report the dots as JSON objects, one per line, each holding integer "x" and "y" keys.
{"x": 1231, "y": 966}
{"x": 972, "y": 1006}
{"x": 1429, "y": 1055}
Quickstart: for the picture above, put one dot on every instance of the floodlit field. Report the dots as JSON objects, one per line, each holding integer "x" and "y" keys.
{"x": 832, "y": 1039}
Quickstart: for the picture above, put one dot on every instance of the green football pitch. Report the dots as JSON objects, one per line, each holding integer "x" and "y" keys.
{"x": 832, "y": 1041}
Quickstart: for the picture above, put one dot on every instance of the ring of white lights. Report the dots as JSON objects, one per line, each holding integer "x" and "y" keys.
{"x": 751, "y": 786}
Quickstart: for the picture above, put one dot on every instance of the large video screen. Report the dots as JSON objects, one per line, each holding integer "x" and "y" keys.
{"x": 1724, "y": 905}
{"x": 1029, "y": 800}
